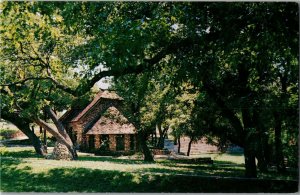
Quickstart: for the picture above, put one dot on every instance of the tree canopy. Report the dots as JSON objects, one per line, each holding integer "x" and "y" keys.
{"x": 228, "y": 70}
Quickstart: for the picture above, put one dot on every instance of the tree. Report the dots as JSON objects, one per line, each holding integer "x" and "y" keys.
{"x": 225, "y": 57}
{"x": 134, "y": 90}
{"x": 32, "y": 66}
{"x": 231, "y": 53}
{"x": 238, "y": 59}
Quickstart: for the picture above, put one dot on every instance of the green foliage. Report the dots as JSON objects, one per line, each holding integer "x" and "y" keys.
{"x": 218, "y": 69}
{"x": 33, "y": 59}
{"x": 7, "y": 133}
{"x": 242, "y": 65}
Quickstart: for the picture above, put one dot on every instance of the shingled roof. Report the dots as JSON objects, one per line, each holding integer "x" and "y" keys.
{"x": 70, "y": 115}
{"x": 112, "y": 122}
{"x": 102, "y": 94}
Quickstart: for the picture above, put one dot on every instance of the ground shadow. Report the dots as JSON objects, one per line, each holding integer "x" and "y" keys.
{"x": 198, "y": 178}
{"x": 20, "y": 154}
{"x": 88, "y": 180}
{"x": 113, "y": 160}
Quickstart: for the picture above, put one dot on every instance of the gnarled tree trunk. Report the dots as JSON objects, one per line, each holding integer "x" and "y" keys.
{"x": 24, "y": 126}
{"x": 146, "y": 151}
{"x": 60, "y": 134}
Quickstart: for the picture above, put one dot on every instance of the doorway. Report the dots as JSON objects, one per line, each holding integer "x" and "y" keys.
{"x": 120, "y": 145}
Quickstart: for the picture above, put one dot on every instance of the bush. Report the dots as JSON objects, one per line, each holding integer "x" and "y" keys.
{"x": 7, "y": 133}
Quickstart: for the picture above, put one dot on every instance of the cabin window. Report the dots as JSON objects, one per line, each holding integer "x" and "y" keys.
{"x": 91, "y": 141}
{"x": 104, "y": 142}
{"x": 120, "y": 145}
{"x": 132, "y": 142}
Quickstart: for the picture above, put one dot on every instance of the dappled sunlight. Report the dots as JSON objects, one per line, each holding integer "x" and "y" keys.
{"x": 23, "y": 171}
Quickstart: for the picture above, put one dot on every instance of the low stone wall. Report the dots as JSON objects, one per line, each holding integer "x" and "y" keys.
{"x": 160, "y": 152}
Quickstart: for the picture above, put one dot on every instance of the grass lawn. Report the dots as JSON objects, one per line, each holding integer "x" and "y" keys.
{"x": 23, "y": 171}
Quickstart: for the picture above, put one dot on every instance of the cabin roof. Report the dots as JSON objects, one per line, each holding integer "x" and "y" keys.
{"x": 70, "y": 115}
{"x": 102, "y": 94}
{"x": 112, "y": 122}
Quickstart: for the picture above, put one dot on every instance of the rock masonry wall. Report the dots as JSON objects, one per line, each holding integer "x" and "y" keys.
{"x": 60, "y": 152}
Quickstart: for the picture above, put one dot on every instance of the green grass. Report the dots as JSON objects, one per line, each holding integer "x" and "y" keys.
{"x": 23, "y": 171}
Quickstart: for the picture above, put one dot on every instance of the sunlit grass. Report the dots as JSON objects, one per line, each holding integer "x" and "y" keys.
{"x": 23, "y": 170}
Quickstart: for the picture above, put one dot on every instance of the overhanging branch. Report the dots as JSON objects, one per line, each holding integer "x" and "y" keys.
{"x": 226, "y": 111}
{"x": 84, "y": 87}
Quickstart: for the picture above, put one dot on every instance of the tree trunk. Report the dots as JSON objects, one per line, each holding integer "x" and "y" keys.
{"x": 147, "y": 153}
{"x": 278, "y": 144}
{"x": 175, "y": 141}
{"x": 36, "y": 142}
{"x": 161, "y": 140}
{"x": 249, "y": 155}
{"x": 24, "y": 126}
{"x": 261, "y": 141}
{"x": 155, "y": 137}
{"x": 250, "y": 144}
{"x": 45, "y": 138}
{"x": 179, "y": 145}
{"x": 190, "y": 145}
{"x": 61, "y": 135}
{"x": 261, "y": 156}
{"x": 250, "y": 163}
{"x": 263, "y": 152}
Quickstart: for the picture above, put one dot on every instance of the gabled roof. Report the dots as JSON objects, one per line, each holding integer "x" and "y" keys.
{"x": 112, "y": 122}
{"x": 70, "y": 115}
{"x": 101, "y": 95}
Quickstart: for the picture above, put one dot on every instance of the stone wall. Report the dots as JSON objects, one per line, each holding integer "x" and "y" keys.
{"x": 87, "y": 140}
{"x": 91, "y": 116}
{"x": 97, "y": 141}
{"x": 127, "y": 142}
{"x": 94, "y": 113}
{"x": 112, "y": 142}
{"x": 78, "y": 129}
{"x": 60, "y": 152}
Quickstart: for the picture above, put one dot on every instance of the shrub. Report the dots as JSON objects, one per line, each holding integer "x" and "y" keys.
{"x": 7, "y": 133}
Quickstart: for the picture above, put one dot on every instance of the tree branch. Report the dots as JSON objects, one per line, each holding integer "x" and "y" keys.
{"x": 84, "y": 87}
{"x": 30, "y": 57}
{"x": 226, "y": 111}
{"x": 25, "y": 80}
{"x": 54, "y": 132}
{"x": 148, "y": 65}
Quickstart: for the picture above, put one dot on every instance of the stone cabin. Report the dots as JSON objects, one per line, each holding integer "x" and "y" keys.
{"x": 101, "y": 125}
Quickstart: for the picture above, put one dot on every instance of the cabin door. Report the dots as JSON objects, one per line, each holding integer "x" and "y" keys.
{"x": 91, "y": 142}
{"x": 120, "y": 145}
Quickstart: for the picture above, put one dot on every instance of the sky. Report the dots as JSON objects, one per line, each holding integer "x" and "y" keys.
{"x": 103, "y": 83}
